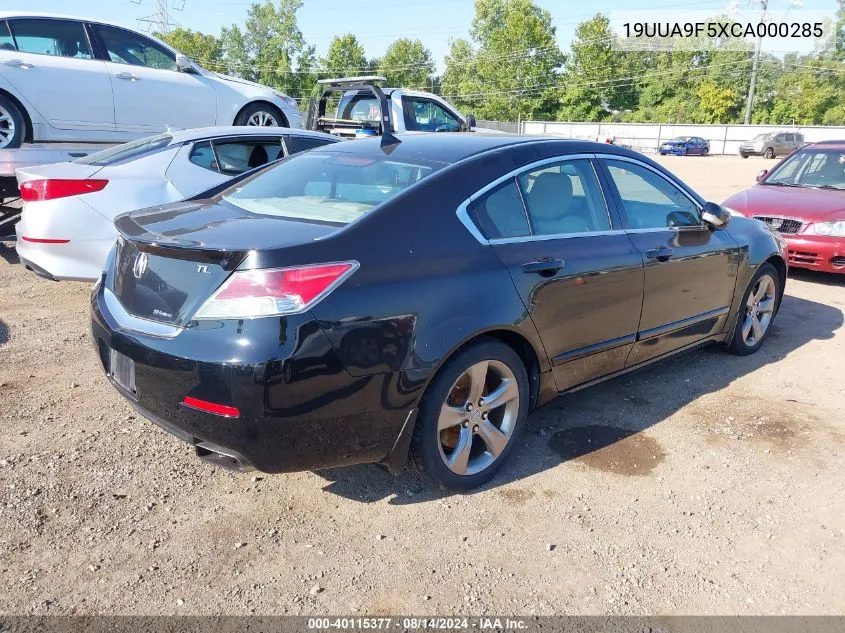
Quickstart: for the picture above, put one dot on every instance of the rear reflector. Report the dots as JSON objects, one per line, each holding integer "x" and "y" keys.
{"x": 50, "y": 189}
{"x": 274, "y": 292}
{"x": 211, "y": 407}
{"x": 43, "y": 240}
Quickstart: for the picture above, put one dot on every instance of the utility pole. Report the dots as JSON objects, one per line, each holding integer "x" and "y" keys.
{"x": 755, "y": 66}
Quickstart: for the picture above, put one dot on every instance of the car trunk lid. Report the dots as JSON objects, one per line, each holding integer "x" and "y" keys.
{"x": 171, "y": 258}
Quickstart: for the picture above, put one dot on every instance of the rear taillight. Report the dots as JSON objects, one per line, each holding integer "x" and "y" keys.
{"x": 50, "y": 189}
{"x": 274, "y": 292}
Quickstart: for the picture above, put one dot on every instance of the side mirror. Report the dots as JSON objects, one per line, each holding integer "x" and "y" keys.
{"x": 762, "y": 175}
{"x": 185, "y": 65}
{"x": 715, "y": 215}
{"x": 470, "y": 122}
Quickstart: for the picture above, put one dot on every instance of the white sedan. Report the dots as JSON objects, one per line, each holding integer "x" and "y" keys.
{"x": 67, "y": 225}
{"x": 64, "y": 78}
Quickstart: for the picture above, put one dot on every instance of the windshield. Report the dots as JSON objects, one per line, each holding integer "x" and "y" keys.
{"x": 127, "y": 151}
{"x": 682, "y": 139}
{"x": 815, "y": 167}
{"x": 761, "y": 137}
{"x": 336, "y": 188}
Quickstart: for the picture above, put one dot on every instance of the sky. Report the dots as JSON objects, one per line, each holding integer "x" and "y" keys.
{"x": 375, "y": 23}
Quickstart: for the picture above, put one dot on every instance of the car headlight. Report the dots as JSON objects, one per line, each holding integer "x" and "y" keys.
{"x": 831, "y": 229}
{"x": 291, "y": 102}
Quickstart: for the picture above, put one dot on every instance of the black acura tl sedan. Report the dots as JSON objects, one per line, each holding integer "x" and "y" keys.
{"x": 414, "y": 302}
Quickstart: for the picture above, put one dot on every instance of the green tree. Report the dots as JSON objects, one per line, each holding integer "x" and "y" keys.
{"x": 458, "y": 81}
{"x": 345, "y": 57}
{"x": 715, "y": 103}
{"x": 406, "y": 63}
{"x": 514, "y": 72}
{"x": 266, "y": 49}
{"x": 204, "y": 49}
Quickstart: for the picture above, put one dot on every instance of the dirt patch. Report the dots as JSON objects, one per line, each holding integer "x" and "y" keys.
{"x": 515, "y": 496}
{"x": 608, "y": 448}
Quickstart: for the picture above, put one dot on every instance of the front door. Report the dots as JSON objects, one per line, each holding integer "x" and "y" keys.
{"x": 690, "y": 269}
{"x": 579, "y": 277}
{"x": 51, "y": 64}
{"x": 150, "y": 95}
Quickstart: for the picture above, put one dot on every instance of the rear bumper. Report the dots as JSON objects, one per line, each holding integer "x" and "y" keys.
{"x": 825, "y": 254}
{"x": 77, "y": 239}
{"x": 299, "y": 407}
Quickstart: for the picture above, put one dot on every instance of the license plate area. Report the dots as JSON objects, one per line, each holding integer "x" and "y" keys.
{"x": 122, "y": 371}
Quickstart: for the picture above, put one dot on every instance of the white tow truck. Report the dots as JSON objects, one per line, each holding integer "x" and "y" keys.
{"x": 355, "y": 107}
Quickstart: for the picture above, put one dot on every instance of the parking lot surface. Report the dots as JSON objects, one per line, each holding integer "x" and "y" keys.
{"x": 706, "y": 484}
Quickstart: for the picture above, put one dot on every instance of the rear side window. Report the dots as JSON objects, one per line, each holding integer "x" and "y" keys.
{"x": 335, "y": 188}
{"x": 6, "y": 41}
{"x": 60, "y": 38}
{"x": 298, "y": 144}
{"x": 127, "y": 151}
{"x": 500, "y": 213}
{"x": 236, "y": 156}
{"x": 564, "y": 198}
{"x": 360, "y": 108}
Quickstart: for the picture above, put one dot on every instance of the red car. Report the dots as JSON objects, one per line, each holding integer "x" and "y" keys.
{"x": 803, "y": 199}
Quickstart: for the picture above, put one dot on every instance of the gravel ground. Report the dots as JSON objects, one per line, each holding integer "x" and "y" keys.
{"x": 708, "y": 484}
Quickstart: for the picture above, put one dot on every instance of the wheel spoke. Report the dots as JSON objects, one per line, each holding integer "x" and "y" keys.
{"x": 450, "y": 416}
{"x": 477, "y": 379}
{"x": 459, "y": 458}
{"x": 746, "y": 327}
{"x": 766, "y": 305}
{"x": 756, "y": 327}
{"x": 762, "y": 288}
{"x": 493, "y": 438}
{"x": 503, "y": 394}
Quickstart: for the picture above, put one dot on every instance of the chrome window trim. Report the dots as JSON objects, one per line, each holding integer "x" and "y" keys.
{"x": 465, "y": 219}
{"x": 136, "y": 324}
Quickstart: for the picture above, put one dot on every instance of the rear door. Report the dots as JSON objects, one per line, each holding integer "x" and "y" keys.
{"x": 690, "y": 269}
{"x": 204, "y": 164}
{"x": 150, "y": 95}
{"x": 578, "y": 274}
{"x": 50, "y": 62}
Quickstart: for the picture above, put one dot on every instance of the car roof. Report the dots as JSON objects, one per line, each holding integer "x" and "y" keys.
{"x": 451, "y": 147}
{"x": 833, "y": 144}
{"x": 59, "y": 16}
{"x": 182, "y": 136}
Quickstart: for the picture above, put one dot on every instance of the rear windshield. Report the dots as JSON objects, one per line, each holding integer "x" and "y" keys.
{"x": 127, "y": 151}
{"x": 336, "y": 188}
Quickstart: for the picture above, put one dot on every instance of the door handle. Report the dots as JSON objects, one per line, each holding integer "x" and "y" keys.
{"x": 17, "y": 63}
{"x": 661, "y": 254}
{"x": 129, "y": 76}
{"x": 545, "y": 266}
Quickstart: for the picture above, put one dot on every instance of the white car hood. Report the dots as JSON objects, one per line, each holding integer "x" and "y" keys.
{"x": 244, "y": 82}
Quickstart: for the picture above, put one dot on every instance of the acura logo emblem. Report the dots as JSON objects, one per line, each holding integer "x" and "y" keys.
{"x": 140, "y": 266}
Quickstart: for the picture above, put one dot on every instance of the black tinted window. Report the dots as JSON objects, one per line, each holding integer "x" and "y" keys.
{"x": 298, "y": 144}
{"x": 500, "y": 213}
{"x": 126, "y": 47}
{"x": 62, "y": 38}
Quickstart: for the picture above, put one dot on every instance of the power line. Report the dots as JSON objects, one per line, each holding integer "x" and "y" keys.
{"x": 160, "y": 21}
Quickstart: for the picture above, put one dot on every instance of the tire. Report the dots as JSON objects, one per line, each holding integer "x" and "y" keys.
{"x": 744, "y": 155}
{"x": 705, "y": 151}
{"x": 12, "y": 124}
{"x": 262, "y": 115}
{"x": 463, "y": 440}
{"x": 746, "y": 338}
{"x": 769, "y": 153}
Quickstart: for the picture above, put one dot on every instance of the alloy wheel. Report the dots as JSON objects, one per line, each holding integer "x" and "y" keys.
{"x": 7, "y": 127}
{"x": 759, "y": 310}
{"x": 262, "y": 118}
{"x": 478, "y": 418}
